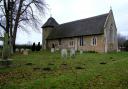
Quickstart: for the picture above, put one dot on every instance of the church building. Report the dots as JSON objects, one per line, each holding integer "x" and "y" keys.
{"x": 98, "y": 33}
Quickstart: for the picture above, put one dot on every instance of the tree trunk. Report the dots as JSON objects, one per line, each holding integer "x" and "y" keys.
{"x": 5, "y": 52}
{"x": 16, "y": 24}
{"x": 13, "y": 44}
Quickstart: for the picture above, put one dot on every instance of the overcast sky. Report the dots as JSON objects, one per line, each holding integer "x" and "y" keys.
{"x": 70, "y": 10}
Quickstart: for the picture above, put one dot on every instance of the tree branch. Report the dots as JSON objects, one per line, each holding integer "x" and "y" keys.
{"x": 2, "y": 27}
{"x": 26, "y": 7}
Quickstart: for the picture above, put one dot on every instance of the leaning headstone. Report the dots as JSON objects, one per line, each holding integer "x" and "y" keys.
{"x": 72, "y": 53}
{"x": 52, "y": 50}
{"x": 64, "y": 53}
{"x": 81, "y": 51}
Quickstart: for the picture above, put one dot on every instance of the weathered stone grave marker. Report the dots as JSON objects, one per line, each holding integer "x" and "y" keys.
{"x": 72, "y": 53}
{"x": 64, "y": 53}
{"x": 25, "y": 52}
{"x": 52, "y": 50}
{"x": 21, "y": 50}
{"x": 81, "y": 51}
{"x": 17, "y": 50}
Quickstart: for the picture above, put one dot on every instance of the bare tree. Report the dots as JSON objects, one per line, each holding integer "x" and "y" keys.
{"x": 121, "y": 41}
{"x": 18, "y": 14}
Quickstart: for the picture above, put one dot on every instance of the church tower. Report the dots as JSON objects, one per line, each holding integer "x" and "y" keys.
{"x": 47, "y": 29}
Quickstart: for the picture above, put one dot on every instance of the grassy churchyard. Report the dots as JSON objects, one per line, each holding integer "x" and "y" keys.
{"x": 45, "y": 70}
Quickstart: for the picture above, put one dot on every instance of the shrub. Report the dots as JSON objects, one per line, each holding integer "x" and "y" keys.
{"x": 38, "y": 47}
{"x": 24, "y": 46}
{"x": 33, "y": 47}
{"x": 126, "y": 45}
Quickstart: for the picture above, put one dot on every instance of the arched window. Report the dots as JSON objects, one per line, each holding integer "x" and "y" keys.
{"x": 111, "y": 34}
{"x": 81, "y": 41}
{"x": 71, "y": 43}
{"x": 94, "y": 41}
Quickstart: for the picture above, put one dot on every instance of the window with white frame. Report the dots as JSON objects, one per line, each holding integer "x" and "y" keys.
{"x": 94, "y": 41}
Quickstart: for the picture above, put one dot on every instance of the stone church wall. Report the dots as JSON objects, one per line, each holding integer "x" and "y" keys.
{"x": 110, "y": 34}
{"x": 69, "y": 43}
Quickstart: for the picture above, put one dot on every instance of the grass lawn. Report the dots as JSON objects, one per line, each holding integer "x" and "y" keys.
{"x": 45, "y": 70}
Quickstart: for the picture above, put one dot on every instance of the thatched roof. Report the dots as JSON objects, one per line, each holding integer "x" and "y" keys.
{"x": 51, "y": 22}
{"x": 89, "y": 26}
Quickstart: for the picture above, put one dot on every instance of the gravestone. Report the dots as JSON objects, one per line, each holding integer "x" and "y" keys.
{"x": 56, "y": 49}
{"x": 72, "y": 52}
{"x": 52, "y": 50}
{"x": 17, "y": 50}
{"x": 25, "y": 52}
{"x": 28, "y": 50}
{"x": 21, "y": 50}
{"x": 81, "y": 51}
{"x": 118, "y": 50}
{"x": 64, "y": 53}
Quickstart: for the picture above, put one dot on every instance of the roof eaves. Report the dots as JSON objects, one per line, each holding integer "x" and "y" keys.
{"x": 50, "y": 38}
